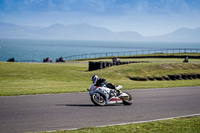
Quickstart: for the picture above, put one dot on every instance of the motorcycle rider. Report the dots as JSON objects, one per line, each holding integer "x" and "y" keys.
{"x": 101, "y": 82}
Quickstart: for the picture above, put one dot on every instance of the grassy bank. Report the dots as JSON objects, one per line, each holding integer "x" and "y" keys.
{"x": 43, "y": 78}
{"x": 179, "y": 125}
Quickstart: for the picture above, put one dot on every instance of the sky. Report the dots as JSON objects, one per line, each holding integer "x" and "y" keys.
{"x": 147, "y": 17}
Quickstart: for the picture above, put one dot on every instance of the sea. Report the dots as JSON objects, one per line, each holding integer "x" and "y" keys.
{"x": 28, "y": 50}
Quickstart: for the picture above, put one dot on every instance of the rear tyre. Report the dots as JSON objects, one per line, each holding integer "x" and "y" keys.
{"x": 127, "y": 100}
{"x": 98, "y": 100}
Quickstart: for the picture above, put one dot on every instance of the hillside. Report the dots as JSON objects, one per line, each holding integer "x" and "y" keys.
{"x": 66, "y": 32}
{"x": 44, "y": 78}
{"x": 87, "y": 32}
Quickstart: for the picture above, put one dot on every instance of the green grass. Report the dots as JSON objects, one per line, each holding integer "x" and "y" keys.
{"x": 31, "y": 78}
{"x": 178, "y": 125}
{"x": 43, "y": 78}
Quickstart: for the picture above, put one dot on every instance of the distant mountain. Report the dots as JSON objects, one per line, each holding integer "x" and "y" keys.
{"x": 87, "y": 32}
{"x": 69, "y": 32}
{"x": 179, "y": 35}
{"x": 184, "y": 34}
{"x": 8, "y": 30}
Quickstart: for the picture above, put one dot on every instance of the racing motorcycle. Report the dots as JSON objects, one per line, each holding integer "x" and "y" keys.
{"x": 102, "y": 95}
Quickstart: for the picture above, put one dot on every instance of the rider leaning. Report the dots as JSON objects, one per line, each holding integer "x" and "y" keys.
{"x": 101, "y": 82}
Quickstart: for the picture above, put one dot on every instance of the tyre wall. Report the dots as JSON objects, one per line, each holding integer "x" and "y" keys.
{"x": 100, "y": 65}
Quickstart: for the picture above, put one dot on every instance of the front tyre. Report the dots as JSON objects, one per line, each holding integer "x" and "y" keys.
{"x": 127, "y": 100}
{"x": 98, "y": 100}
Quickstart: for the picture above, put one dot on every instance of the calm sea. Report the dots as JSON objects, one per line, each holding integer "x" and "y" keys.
{"x": 38, "y": 49}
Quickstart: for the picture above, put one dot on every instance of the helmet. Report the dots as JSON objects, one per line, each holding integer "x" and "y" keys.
{"x": 94, "y": 79}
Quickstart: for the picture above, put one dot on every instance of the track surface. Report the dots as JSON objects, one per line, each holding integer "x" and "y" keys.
{"x": 35, "y": 113}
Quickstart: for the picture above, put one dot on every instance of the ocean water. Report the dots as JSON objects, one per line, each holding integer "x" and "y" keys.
{"x": 24, "y": 50}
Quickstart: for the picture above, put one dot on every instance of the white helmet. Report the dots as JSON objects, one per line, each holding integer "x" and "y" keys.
{"x": 94, "y": 79}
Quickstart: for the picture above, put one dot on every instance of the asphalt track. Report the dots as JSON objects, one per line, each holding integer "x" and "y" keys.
{"x": 33, "y": 113}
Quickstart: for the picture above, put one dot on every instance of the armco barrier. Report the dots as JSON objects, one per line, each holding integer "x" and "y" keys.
{"x": 99, "y": 65}
{"x": 136, "y": 54}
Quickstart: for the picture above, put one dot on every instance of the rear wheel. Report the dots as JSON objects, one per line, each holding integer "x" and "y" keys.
{"x": 98, "y": 99}
{"x": 127, "y": 100}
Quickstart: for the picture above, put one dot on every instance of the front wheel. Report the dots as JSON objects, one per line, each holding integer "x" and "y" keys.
{"x": 127, "y": 100}
{"x": 98, "y": 99}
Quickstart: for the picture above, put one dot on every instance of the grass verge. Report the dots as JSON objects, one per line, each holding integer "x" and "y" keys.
{"x": 43, "y": 78}
{"x": 177, "y": 125}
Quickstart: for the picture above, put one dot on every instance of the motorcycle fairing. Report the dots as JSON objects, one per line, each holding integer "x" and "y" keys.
{"x": 106, "y": 93}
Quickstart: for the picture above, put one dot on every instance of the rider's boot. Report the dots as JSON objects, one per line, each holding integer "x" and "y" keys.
{"x": 119, "y": 92}
{"x": 118, "y": 89}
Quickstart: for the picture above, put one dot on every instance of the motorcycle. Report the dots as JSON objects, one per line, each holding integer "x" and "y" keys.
{"x": 102, "y": 95}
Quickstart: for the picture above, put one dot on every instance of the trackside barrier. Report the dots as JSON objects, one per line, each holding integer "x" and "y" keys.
{"x": 131, "y": 53}
{"x": 100, "y": 65}
{"x": 185, "y": 76}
